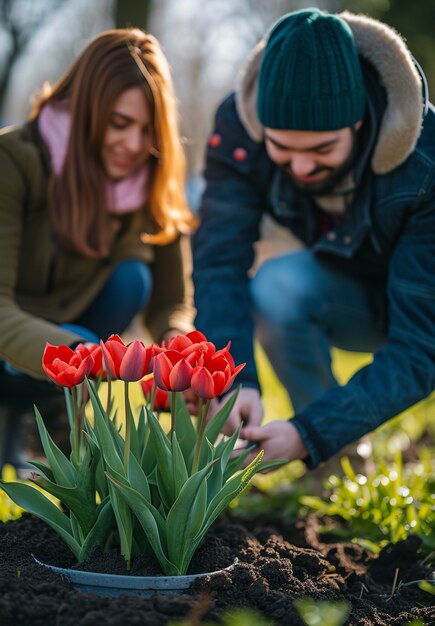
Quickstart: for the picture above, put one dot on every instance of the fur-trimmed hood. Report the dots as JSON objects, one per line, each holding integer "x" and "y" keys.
{"x": 385, "y": 49}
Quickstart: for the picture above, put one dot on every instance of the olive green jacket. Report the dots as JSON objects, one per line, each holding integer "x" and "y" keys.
{"x": 42, "y": 285}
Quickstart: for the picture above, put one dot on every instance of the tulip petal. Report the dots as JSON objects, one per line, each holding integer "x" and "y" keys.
{"x": 232, "y": 377}
{"x": 179, "y": 377}
{"x": 113, "y": 352}
{"x": 84, "y": 369}
{"x": 219, "y": 382}
{"x": 116, "y": 339}
{"x": 135, "y": 362}
{"x": 196, "y": 336}
{"x": 61, "y": 352}
{"x": 162, "y": 367}
{"x": 179, "y": 343}
{"x": 202, "y": 383}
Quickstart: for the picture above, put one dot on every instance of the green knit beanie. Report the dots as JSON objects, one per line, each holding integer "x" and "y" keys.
{"x": 310, "y": 76}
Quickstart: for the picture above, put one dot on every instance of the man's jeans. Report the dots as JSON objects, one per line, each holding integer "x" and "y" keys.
{"x": 303, "y": 306}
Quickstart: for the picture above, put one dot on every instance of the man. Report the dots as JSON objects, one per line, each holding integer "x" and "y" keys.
{"x": 330, "y": 133}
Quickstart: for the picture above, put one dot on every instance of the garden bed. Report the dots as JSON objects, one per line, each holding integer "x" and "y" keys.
{"x": 277, "y": 564}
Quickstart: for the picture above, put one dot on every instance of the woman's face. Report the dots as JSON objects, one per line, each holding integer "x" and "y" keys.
{"x": 128, "y": 137}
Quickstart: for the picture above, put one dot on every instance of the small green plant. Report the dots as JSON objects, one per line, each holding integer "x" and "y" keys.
{"x": 322, "y": 613}
{"x": 392, "y": 502}
{"x": 231, "y": 617}
{"x": 276, "y": 494}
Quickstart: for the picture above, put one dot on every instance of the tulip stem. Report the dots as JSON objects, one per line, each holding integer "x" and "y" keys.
{"x": 200, "y": 409}
{"x": 201, "y": 430}
{"x": 173, "y": 417}
{"x": 127, "y": 428}
{"x": 152, "y": 397}
{"x": 109, "y": 397}
{"x": 76, "y": 420}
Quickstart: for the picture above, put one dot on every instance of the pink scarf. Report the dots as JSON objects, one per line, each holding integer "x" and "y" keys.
{"x": 123, "y": 196}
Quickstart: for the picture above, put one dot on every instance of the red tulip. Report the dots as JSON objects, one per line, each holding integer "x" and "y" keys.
{"x": 67, "y": 367}
{"x": 127, "y": 362}
{"x": 214, "y": 374}
{"x": 191, "y": 346}
{"x": 171, "y": 371}
{"x": 94, "y": 349}
{"x": 180, "y": 342}
{"x": 161, "y": 400}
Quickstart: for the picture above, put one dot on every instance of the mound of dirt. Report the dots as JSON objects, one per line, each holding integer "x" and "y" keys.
{"x": 277, "y": 564}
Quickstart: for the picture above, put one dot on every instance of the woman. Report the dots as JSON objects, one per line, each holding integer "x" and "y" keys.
{"x": 92, "y": 206}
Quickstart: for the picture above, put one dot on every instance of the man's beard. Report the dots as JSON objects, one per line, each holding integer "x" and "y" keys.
{"x": 328, "y": 184}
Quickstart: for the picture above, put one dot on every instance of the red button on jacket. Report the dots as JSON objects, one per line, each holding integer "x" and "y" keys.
{"x": 214, "y": 140}
{"x": 240, "y": 154}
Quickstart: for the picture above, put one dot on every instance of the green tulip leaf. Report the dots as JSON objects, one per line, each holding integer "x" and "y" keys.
{"x": 186, "y": 517}
{"x": 76, "y": 500}
{"x": 215, "y": 425}
{"x": 137, "y": 478}
{"x": 33, "y": 501}
{"x": 162, "y": 449}
{"x": 124, "y": 522}
{"x": 222, "y": 452}
{"x": 148, "y": 460}
{"x": 123, "y": 515}
{"x": 186, "y": 433}
{"x": 135, "y": 442}
{"x": 147, "y": 516}
{"x": 69, "y": 407}
{"x": 75, "y": 529}
{"x": 164, "y": 496}
{"x": 142, "y": 433}
{"x": 235, "y": 463}
{"x": 100, "y": 479}
{"x": 99, "y": 531}
{"x": 231, "y": 489}
{"x": 42, "y": 467}
{"x": 266, "y": 465}
{"x": 228, "y": 447}
{"x": 104, "y": 434}
{"x": 206, "y": 453}
{"x": 180, "y": 474}
{"x": 63, "y": 470}
{"x": 86, "y": 473}
{"x": 118, "y": 440}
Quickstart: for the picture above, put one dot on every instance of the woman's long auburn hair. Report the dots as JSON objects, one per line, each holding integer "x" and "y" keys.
{"x": 114, "y": 61}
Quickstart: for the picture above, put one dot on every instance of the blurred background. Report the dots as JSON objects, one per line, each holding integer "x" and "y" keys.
{"x": 205, "y": 42}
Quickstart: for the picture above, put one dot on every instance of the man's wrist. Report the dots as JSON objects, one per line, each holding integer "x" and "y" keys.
{"x": 311, "y": 456}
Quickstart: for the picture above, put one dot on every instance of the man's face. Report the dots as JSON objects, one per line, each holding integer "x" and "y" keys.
{"x": 315, "y": 160}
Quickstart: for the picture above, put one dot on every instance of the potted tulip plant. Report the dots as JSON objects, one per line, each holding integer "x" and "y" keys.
{"x": 150, "y": 490}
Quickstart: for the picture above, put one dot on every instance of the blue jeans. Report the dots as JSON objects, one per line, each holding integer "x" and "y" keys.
{"x": 125, "y": 294}
{"x": 303, "y": 306}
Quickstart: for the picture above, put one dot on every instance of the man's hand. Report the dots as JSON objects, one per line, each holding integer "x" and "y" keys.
{"x": 279, "y": 440}
{"x": 248, "y": 410}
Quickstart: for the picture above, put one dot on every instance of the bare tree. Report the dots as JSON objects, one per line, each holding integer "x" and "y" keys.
{"x": 206, "y": 42}
{"x": 39, "y": 40}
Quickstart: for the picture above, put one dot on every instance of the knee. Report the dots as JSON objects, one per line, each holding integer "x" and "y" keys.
{"x": 133, "y": 282}
{"x": 283, "y": 291}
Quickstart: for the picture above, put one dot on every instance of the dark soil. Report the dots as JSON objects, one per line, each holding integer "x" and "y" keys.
{"x": 277, "y": 564}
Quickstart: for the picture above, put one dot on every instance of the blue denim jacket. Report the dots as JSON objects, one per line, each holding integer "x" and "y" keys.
{"x": 387, "y": 234}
